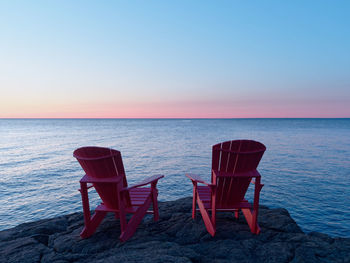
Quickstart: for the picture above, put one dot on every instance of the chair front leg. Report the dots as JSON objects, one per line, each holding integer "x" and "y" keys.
{"x": 155, "y": 201}
{"x": 213, "y": 205}
{"x": 91, "y": 223}
{"x": 194, "y": 199}
{"x": 121, "y": 206}
{"x": 86, "y": 209}
{"x": 258, "y": 187}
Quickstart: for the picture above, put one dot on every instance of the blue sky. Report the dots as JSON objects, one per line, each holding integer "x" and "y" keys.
{"x": 175, "y": 59}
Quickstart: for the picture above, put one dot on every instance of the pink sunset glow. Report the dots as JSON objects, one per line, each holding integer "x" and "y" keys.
{"x": 187, "y": 109}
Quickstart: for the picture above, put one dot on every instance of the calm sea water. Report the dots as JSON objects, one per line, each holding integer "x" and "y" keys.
{"x": 305, "y": 169}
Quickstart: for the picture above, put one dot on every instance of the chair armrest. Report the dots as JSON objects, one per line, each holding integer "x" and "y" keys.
{"x": 90, "y": 179}
{"x": 149, "y": 180}
{"x": 257, "y": 178}
{"x": 196, "y": 178}
{"x": 254, "y": 173}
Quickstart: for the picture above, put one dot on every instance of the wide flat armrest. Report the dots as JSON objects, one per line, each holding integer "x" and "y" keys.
{"x": 196, "y": 178}
{"x": 90, "y": 179}
{"x": 148, "y": 180}
{"x": 253, "y": 173}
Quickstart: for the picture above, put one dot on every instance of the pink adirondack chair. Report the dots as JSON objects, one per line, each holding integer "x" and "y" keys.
{"x": 234, "y": 166}
{"x": 105, "y": 171}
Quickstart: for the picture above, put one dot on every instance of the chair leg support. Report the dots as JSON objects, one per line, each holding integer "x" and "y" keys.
{"x": 135, "y": 220}
{"x": 93, "y": 224}
{"x": 250, "y": 217}
{"x": 207, "y": 222}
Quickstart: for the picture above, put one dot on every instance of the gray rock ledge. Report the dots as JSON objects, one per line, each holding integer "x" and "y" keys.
{"x": 174, "y": 238}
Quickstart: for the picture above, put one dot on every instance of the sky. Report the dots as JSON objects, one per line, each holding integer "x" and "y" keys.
{"x": 174, "y": 59}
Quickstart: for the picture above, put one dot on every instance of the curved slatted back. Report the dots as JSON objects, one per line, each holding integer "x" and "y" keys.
{"x": 234, "y": 157}
{"x": 100, "y": 162}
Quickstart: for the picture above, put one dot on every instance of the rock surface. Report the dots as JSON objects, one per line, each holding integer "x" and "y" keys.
{"x": 174, "y": 238}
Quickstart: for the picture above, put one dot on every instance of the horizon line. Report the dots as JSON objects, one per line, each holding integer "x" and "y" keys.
{"x": 157, "y": 118}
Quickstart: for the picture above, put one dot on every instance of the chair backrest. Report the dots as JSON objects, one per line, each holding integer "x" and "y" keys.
{"x": 100, "y": 162}
{"x": 234, "y": 158}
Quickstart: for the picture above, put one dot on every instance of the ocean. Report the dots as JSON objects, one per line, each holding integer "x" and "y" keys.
{"x": 305, "y": 169}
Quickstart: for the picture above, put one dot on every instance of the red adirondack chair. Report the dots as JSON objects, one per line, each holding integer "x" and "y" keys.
{"x": 234, "y": 166}
{"x": 105, "y": 171}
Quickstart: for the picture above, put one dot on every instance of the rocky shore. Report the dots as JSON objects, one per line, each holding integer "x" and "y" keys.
{"x": 174, "y": 238}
